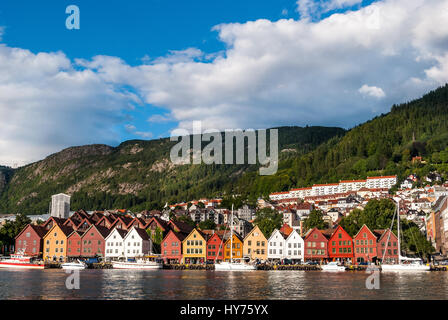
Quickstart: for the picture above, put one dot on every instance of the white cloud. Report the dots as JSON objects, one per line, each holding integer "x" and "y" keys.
{"x": 372, "y": 91}
{"x": 287, "y": 72}
{"x": 300, "y": 72}
{"x": 314, "y": 8}
{"x": 47, "y": 105}
{"x": 159, "y": 118}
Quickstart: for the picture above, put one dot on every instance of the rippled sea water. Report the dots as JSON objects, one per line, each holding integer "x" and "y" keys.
{"x": 195, "y": 284}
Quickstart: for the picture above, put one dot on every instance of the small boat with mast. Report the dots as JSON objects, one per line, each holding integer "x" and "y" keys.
{"x": 233, "y": 264}
{"x": 404, "y": 263}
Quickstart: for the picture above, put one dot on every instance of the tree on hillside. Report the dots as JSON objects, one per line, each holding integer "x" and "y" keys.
{"x": 207, "y": 225}
{"x": 12, "y": 228}
{"x": 315, "y": 220}
{"x": 186, "y": 219}
{"x": 268, "y": 220}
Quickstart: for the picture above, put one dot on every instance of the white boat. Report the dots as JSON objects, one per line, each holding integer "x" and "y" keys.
{"x": 139, "y": 264}
{"x": 332, "y": 266}
{"x": 410, "y": 264}
{"x": 79, "y": 265}
{"x": 232, "y": 265}
{"x": 20, "y": 261}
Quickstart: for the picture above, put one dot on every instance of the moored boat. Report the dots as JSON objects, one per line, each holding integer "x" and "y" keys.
{"x": 139, "y": 264}
{"x": 232, "y": 265}
{"x": 404, "y": 263}
{"x": 79, "y": 265}
{"x": 20, "y": 261}
{"x": 332, "y": 266}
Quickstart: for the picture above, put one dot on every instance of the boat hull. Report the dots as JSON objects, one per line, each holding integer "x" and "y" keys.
{"x": 11, "y": 265}
{"x": 338, "y": 268}
{"x": 234, "y": 267}
{"x": 136, "y": 266}
{"x": 404, "y": 268}
{"x": 73, "y": 267}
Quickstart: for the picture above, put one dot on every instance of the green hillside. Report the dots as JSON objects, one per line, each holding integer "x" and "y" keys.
{"x": 137, "y": 174}
{"x": 384, "y": 145}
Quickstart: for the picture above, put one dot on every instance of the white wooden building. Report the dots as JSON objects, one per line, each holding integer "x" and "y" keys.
{"x": 137, "y": 243}
{"x": 276, "y": 245}
{"x": 115, "y": 244}
{"x": 294, "y": 247}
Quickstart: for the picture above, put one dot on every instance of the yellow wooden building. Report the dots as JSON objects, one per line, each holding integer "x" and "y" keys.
{"x": 255, "y": 245}
{"x": 55, "y": 243}
{"x": 194, "y": 247}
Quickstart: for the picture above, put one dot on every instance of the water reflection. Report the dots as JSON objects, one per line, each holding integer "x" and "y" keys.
{"x": 192, "y": 285}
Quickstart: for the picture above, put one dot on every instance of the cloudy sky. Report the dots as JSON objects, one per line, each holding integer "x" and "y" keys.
{"x": 139, "y": 69}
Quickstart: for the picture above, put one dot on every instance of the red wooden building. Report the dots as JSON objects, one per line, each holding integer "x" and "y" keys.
{"x": 30, "y": 240}
{"x": 171, "y": 247}
{"x": 74, "y": 244}
{"x": 93, "y": 241}
{"x": 215, "y": 248}
{"x": 316, "y": 244}
{"x": 387, "y": 246}
{"x": 340, "y": 246}
{"x": 365, "y": 245}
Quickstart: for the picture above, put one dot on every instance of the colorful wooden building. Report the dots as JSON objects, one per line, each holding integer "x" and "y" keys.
{"x": 316, "y": 246}
{"x": 255, "y": 245}
{"x": 30, "y": 240}
{"x": 387, "y": 246}
{"x": 55, "y": 243}
{"x": 171, "y": 247}
{"x": 215, "y": 248}
{"x": 365, "y": 245}
{"x": 94, "y": 241}
{"x": 194, "y": 248}
{"x": 340, "y": 246}
{"x": 237, "y": 247}
{"x": 74, "y": 244}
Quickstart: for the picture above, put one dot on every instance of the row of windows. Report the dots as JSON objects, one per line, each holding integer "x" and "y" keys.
{"x": 173, "y": 252}
{"x": 365, "y": 250}
{"x": 316, "y": 252}
{"x": 342, "y": 250}
{"x": 256, "y": 251}
{"x": 173, "y": 244}
{"x": 24, "y": 242}
{"x": 194, "y": 242}
{"x": 237, "y": 253}
{"x": 342, "y": 243}
{"x": 194, "y": 250}
{"x": 364, "y": 242}
{"x": 119, "y": 244}
{"x": 313, "y": 244}
{"x": 249, "y": 243}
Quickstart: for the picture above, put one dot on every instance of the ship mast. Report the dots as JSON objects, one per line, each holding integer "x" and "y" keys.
{"x": 231, "y": 238}
{"x": 398, "y": 232}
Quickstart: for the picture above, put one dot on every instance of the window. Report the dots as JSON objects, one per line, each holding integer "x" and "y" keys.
{"x": 28, "y": 235}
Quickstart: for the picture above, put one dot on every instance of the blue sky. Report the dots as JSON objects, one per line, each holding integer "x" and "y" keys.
{"x": 141, "y": 32}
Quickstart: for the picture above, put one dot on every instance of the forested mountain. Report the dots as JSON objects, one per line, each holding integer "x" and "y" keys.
{"x": 384, "y": 145}
{"x": 139, "y": 175}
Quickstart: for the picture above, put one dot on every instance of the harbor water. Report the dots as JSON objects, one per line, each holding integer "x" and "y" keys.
{"x": 195, "y": 284}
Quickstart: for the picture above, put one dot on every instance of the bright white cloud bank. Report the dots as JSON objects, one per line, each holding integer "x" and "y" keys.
{"x": 339, "y": 71}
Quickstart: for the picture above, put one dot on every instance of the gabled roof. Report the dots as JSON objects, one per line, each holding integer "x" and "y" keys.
{"x": 65, "y": 229}
{"x": 180, "y": 226}
{"x": 364, "y": 225}
{"x": 122, "y": 233}
{"x": 103, "y": 231}
{"x": 141, "y": 232}
{"x": 179, "y": 235}
{"x": 40, "y": 231}
{"x": 161, "y": 223}
{"x": 277, "y": 231}
{"x": 382, "y": 233}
